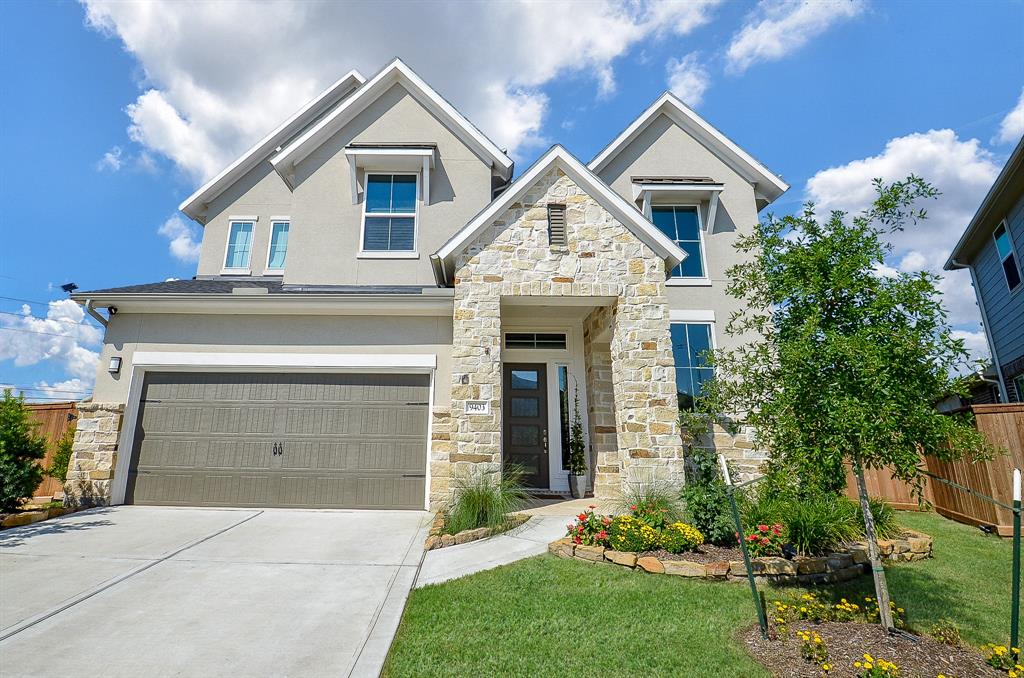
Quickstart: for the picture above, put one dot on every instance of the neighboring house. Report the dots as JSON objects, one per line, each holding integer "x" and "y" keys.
{"x": 381, "y": 310}
{"x": 991, "y": 249}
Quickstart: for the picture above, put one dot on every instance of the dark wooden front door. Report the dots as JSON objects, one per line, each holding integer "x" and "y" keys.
{"x": 525, "y": 429}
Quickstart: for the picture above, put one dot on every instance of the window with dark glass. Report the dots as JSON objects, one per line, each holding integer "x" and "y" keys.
{"x": 389, "y": 224}
{"x": 682, "y": 225}
{"x": 1007, "y": 256}
{"x": 535, "y": 340}
{"x": 690, "y": 341}
{"x": 278, "y": 245}
{"x": 563, "y": 412}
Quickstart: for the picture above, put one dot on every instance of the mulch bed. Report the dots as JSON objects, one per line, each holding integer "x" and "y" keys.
{"x": 706, "y": 553}
{"x": 847, "y": 642}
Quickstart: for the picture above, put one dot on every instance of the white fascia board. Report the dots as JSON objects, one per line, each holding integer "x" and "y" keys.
{"x": 588, "y": 181}
{"x": 699, "y": 190}
{"x": 194, "y": 205}
{"x": 718, "y": 143}
{"x": 440, "y": 305}
{"x": 395, "y": 72}
{"x": 278, "y": 361}
{"x": 679, "y": 315}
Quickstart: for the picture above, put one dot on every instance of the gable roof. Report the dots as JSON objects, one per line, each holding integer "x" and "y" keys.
{"x": 195, "y": 205}
{"x": 558, "y": 156}
{"x": 765, "y": 182}
{"x": 395, "y": 72}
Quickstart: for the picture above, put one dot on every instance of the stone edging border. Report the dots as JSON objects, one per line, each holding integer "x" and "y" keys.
{"x": 29, "y": 517}
{"x": 436, "y": 540}
{"x": 835, "y": 567}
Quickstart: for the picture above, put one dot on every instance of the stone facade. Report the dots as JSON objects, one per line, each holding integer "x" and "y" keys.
{"x": 93, "y": 455}
{"x": 745, "y": 459}
{"x": 603, "y": 260}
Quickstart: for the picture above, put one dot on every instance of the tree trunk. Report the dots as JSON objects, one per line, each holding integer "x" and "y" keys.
{"x": 877, "y": 571}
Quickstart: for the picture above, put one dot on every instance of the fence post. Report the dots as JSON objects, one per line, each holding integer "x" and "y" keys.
{"x": 1015, "y": 604}
{"x": 762, "y": 619}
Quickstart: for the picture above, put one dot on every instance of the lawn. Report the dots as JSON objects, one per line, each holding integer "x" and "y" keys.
{"x": 546, "y": 616}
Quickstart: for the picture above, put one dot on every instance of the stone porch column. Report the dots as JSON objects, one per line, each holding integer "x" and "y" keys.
{"x": 93, "y": 454}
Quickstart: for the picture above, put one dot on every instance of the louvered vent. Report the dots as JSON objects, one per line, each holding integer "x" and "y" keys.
{"x": 556, "y": 226}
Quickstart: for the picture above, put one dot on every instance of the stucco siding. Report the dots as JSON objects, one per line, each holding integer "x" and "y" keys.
{"x": 664, "y": 149}
{"x": 378, "y": 335}
{"x": 1005, "y": 309}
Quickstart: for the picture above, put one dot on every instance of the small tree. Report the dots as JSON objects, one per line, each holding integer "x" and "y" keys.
{"x": 20, "y": 452}
{"x": 62, "y": 456}
{"x": 842, "y": 363}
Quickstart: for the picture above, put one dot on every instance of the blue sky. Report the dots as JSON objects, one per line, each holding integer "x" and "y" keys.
{"x": 122, "y": 109}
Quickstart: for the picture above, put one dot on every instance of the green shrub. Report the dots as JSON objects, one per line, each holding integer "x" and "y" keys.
{"x": 680, "y": 537}
{"x": 62, "y": 457}
{"x": 655, "y": 504}
{"x": 20, "y": 451}
{"x": 629, "y": 533}
{"x": 946, "y": 632}
{"x": 886, "y": 526}
{"x": 482, "y": 501}
{"x": 706, "y": 499}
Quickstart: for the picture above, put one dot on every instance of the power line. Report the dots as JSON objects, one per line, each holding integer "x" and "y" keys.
{"x": 49, "y": 334}
{"x": 29, "y": 301}
{"x": 44, "y": 390}
{"x": 84, "y": 320}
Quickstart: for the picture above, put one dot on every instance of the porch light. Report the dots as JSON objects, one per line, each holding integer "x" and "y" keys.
{"x": 115, "y": 365}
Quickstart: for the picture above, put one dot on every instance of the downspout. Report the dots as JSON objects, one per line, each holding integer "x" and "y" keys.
{"x": 440, "y": 274}
{"x": 94, "y": 313}
{"x": 988, "y": 333}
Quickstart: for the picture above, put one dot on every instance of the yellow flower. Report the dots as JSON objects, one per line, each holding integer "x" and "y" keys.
{"x": 857, "y": 664}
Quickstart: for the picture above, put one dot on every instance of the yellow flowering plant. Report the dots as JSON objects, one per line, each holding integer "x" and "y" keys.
{"x": 1005, "y": 658}
{"x": 870, "y": 667}
{"x": 679, "y": 537}
{"x": 812, "y": 648}
{"x": 627, "y": 533}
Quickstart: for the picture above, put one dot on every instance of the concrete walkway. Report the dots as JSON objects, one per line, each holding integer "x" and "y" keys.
{"x": 158, "y": 591}
{"x": 547, "y": 522}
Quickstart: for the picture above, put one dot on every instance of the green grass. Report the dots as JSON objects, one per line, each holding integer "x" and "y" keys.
{"x": 546, "y": 617}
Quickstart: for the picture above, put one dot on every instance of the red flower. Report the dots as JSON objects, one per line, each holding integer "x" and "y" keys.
{"x": 633, "y": 507}
{"x": 762, "y": 528}
{"x": 582, "y": 517}
{"x": 752, "y": 537}
{"x": 602, "y": 535}
{"x": 606, "y": 521}
{"x": 577, "y": 540}
{"x": 776, "y": 529}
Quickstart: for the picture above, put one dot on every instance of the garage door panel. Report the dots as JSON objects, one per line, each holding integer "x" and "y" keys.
{"x": 346, "y": 440}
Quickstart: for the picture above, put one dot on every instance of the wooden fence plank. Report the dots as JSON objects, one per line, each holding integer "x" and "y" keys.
{"x": 54, "y": 419}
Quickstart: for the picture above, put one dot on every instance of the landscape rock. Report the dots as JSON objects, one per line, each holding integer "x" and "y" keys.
{"x": 592, "y": 553}
{"x": 684, "y": 568}
{"x": 621, "y": 557}
{"x": 777, "y": 566}
{"x": 812, "y": 566}
{"x": 562, "y": 548}
{"x": 650, "y": 564}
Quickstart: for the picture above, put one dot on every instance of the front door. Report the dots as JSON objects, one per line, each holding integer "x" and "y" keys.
{"x": 525, "y": 428}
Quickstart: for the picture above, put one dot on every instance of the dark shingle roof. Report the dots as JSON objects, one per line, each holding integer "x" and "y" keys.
{"x": 273, "y": 286}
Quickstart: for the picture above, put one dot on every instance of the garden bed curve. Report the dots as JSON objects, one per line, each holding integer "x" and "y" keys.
{"x": 437, "y": 540}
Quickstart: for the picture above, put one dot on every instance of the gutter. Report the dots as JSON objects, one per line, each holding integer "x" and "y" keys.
{"x": 440, "y": 274}
{"x": 94, "y": 313}
{"x": 952, "y": 265}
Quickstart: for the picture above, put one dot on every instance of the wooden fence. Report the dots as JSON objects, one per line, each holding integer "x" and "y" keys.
{"x": 1003, "y": 425}
{"x": 54, "y": 419}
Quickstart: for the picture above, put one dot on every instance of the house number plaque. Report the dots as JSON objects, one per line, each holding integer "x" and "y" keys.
{"x": 478, "y": 407}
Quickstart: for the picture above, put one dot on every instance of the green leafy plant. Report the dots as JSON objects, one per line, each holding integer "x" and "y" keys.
{"x": 839, "y": 364}
{"x": 812, "y": 649}
{"x": 655, "y": 504}
{"x": 484, "y": 501}
{"x": 1003, "y": 657}
{"x": 58, "y": 468}
{"x": 577, "y": 444}
{"x": 589, "y": 528}
{"x": 706, "y": 498}
{"x": 886, "y": 525}
{"x": 680, "y": 537}
{"x": 20, "y": 452}
{"x": 628, "y": 533}
{"x": 766, "y": 540}
{"x": 946, "y": 632}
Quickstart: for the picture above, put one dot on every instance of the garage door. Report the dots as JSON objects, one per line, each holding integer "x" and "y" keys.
{"x": 289, "y": 440}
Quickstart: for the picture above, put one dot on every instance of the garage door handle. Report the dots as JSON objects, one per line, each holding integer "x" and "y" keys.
{"x": 423, "y": 403}
{"x": 414, "y": 475}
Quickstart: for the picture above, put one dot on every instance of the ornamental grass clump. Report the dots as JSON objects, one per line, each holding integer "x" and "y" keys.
{"x": 655, "y": 504}
{"x": 483, "y": 501}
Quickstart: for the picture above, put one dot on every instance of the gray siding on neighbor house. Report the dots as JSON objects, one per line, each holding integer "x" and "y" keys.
{"x": 325, "y": 225}
{"x": 665, "y": 149}
{"x": 1005, "y": 310}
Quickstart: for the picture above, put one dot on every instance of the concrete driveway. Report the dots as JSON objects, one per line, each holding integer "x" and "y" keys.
{"x": 146, "y": 591}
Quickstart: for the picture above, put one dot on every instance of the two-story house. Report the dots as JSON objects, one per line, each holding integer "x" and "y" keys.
{"x": 382, "y": 307}
{"x": 991, "y": 249}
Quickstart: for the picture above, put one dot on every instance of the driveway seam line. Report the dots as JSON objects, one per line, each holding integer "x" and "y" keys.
{"x": 100, "y": 588}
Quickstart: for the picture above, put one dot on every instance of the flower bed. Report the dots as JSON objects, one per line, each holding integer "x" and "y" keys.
{"x": 437, "y": 540}
{"x": 835, "y": 567}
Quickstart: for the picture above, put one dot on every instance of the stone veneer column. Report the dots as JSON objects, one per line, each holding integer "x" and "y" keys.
{"x": 93, "y": 454}
{"x": 441, "y": 449}
{"x": 600, "y": 398}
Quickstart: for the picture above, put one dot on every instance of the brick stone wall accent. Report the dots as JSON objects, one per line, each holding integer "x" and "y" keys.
{"x": 513, "y": 257}
{"x": 93, "y": 455}
{"x": 441, "y": 451}
{"x": 745, "y": 459}
{"x": 605, "y": 462}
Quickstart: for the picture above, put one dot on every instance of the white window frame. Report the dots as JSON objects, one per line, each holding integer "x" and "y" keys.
{"x": 268, "y": 270}
{"x": 246, "y": 270}
{"x": 1013, "y": 252}
{"x": 378, "y": 254}
{"x": 693, "y": 318}
{"x": 688, "y": 281}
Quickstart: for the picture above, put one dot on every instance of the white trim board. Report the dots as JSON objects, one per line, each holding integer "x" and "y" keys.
{"x": 765, "y": 181}
{"x": 691, "y": 315}
{"x": 280, "y": 361}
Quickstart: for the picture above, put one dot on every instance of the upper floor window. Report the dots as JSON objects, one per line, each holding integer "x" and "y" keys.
{"x": 389, "y": 215}
{"x": 682, "y": 225}
{"x": 239, "y": 246}
{"x": 1007, "y": 256}
{"x": 690, "y": 341}
{"x": 278, "y": 245}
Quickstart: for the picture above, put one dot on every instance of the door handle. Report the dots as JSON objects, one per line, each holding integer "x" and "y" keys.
{"x": 545, "y": 440}
{"x": 280, "y": 449}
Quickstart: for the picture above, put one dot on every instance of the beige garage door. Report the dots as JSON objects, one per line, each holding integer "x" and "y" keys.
{"x": 289, "y": 440}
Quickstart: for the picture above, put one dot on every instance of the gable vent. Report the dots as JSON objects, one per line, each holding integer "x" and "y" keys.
{"x": 556, "y": 225}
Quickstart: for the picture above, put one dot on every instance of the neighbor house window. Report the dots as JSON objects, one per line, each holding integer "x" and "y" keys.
{"x": 239, "y": 245}
{"x": 690, "y": 341}
{"x": 278, "y": 245}
{"x": 389, "y": 222}
{"x": 682, "y": 225}
{"x": 1008, "y": 258}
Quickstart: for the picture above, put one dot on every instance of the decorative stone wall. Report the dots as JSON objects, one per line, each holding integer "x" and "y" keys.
{"x": 441, "y": 452}
{"x": 605, "y": 463}
{"x": 745, "y": 460}
{"x": 603, "y": 259}
{"x": 93, "y": 455}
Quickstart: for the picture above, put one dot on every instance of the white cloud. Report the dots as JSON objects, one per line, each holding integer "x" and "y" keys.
{"x": 975, "y": 343}
{"x": 215, "y": 83}
{"x": 688, "y": 79}
{"x": 1011, "y": 129}
{"x": 779, "y": 27}
{"x": 962, "y": 170}
{"x": 111, "y": 160}
{"x": 59, "y": 337}
{"x": 184, "y": 245}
